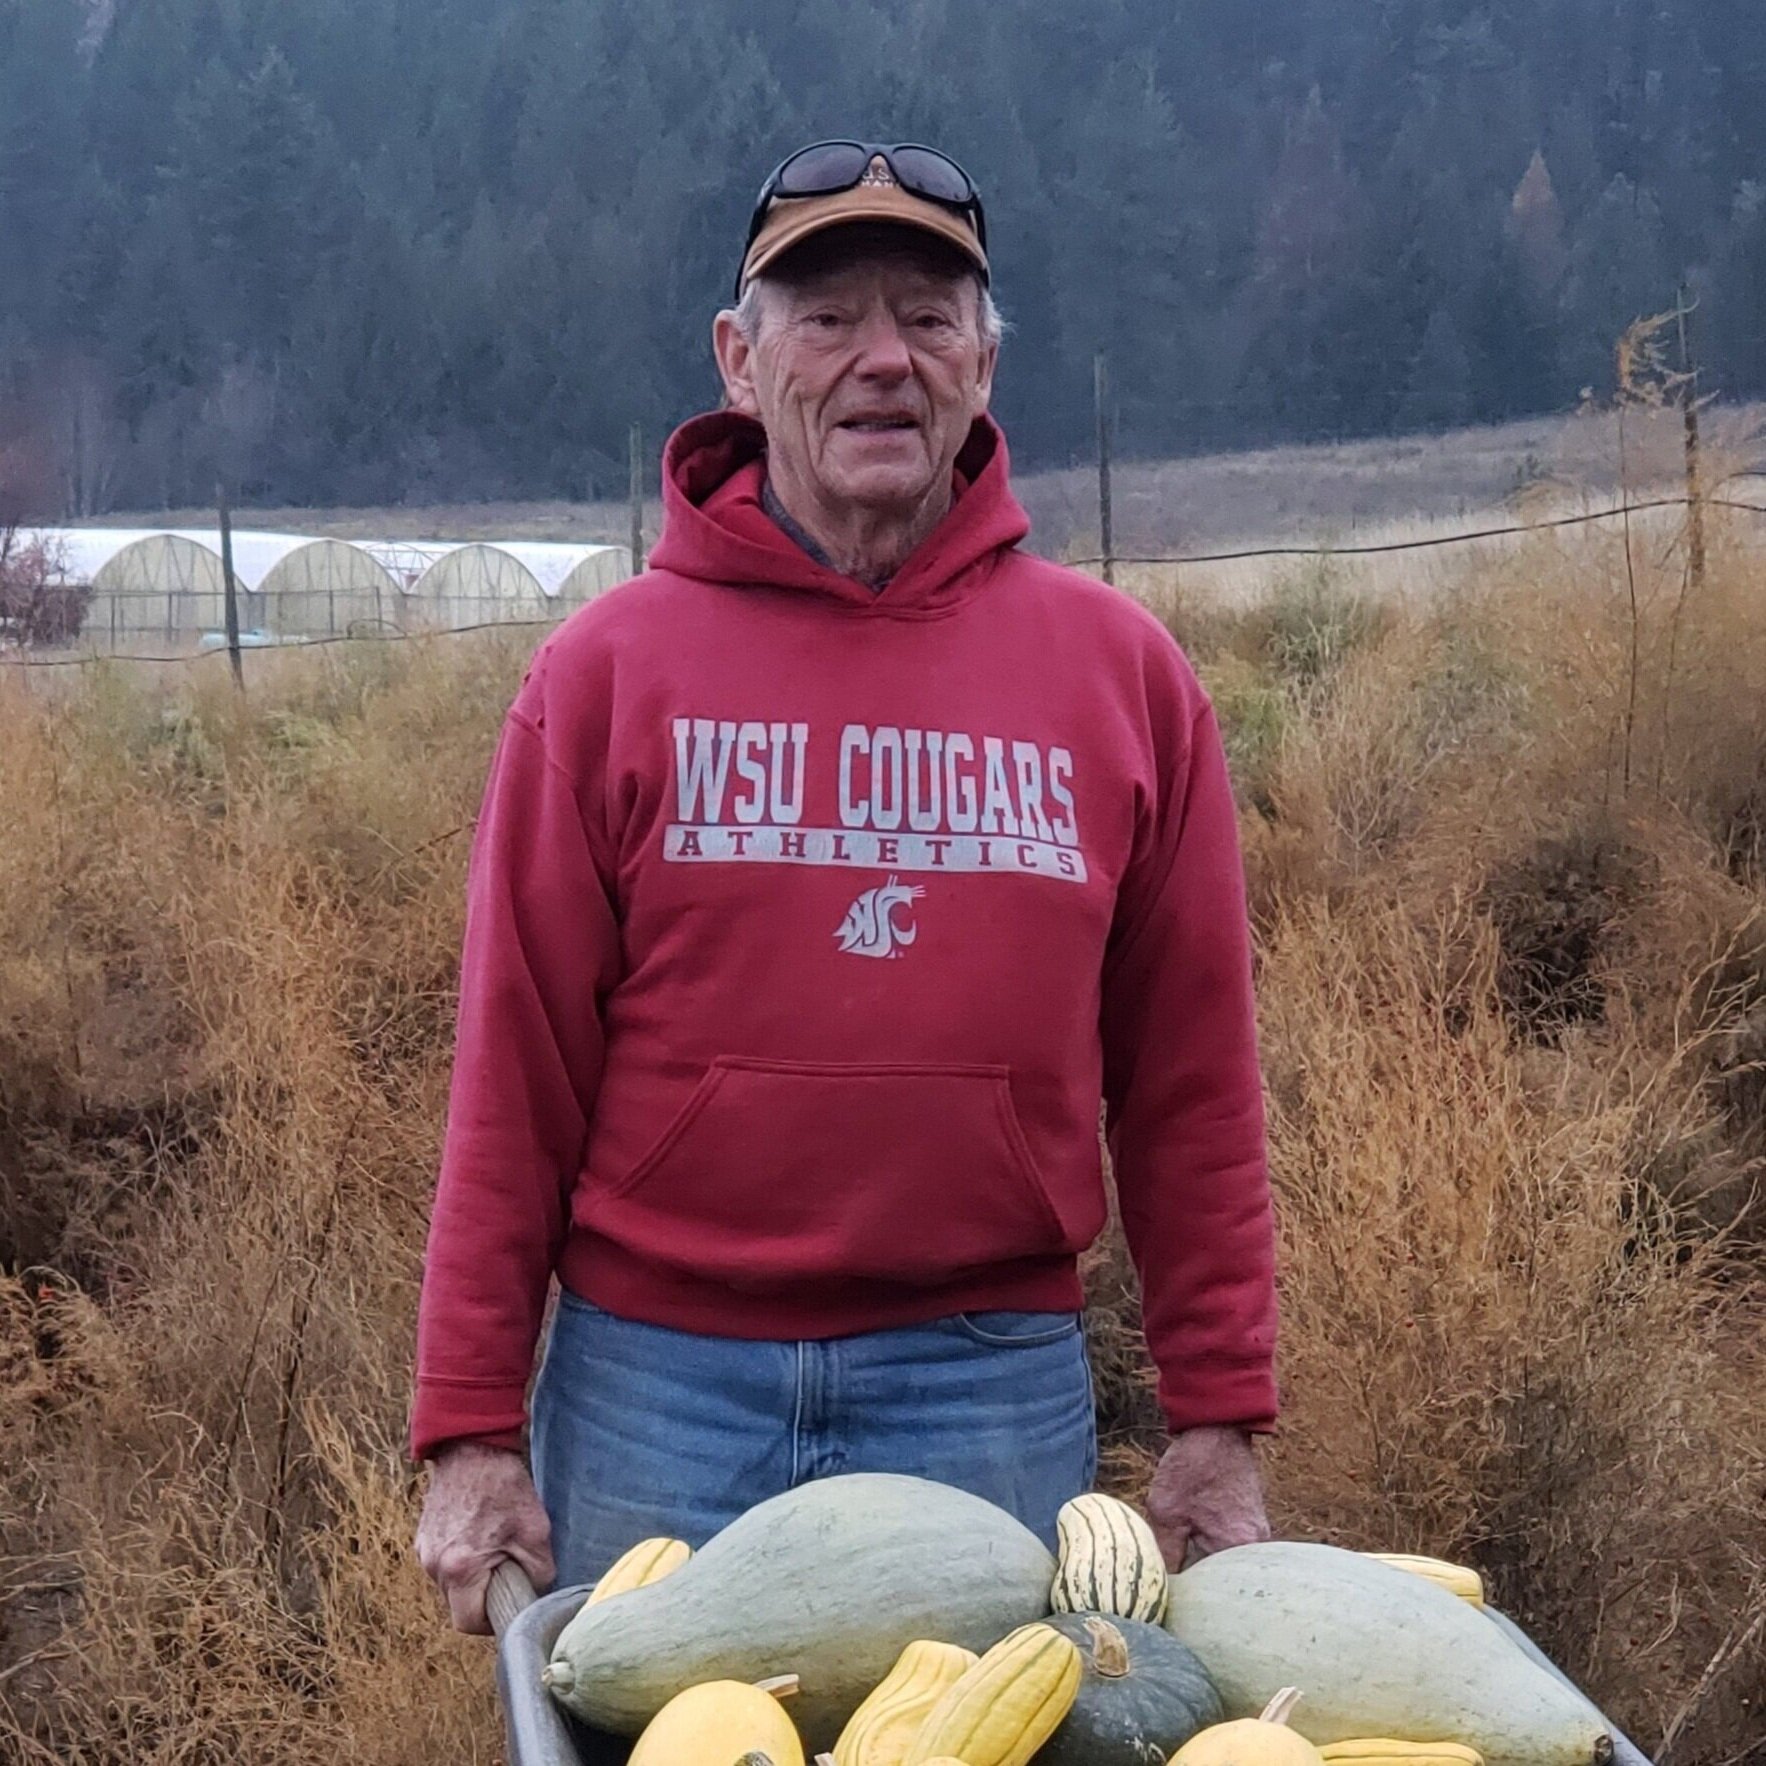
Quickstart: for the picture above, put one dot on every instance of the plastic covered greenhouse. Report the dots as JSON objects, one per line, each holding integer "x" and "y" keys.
{"x": 159, "y": 585}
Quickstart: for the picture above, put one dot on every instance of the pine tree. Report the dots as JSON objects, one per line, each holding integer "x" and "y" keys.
{"x": 1536, "y": 225}
{"x": 1438, "y": 393}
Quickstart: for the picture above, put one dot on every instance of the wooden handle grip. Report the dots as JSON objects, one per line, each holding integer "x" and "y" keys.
{"x": 509, "y": 1592}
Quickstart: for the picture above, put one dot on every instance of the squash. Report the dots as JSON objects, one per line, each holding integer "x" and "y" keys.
{"x": 1263, "y": 1740}
{"x": 1381, "y": 1751}
{"x": 1109, "y": 1561}
{"x": 648, "y": 1561}
{"x": 722, "y": 1720}
{"x": 1006, "y": 1706}
{"x": 1141, "y": 1695}
{"x": 882, "y": 1727}
{"x": 830, "y": 1581}
{"x": 1455, "y": 1578}
{"x": 1379, "y": 1650}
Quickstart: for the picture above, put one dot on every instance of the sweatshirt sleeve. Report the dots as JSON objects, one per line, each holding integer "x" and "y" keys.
{"x": 541, "y": 953}
{"x": 1182, "y": 1085}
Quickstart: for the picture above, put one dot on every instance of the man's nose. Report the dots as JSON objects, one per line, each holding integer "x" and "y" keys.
{"x": 882, "y": 349}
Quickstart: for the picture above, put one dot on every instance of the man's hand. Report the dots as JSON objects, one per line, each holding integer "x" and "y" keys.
{"x": 481, "y": 1507}
{"x": 1206, "y": 1495}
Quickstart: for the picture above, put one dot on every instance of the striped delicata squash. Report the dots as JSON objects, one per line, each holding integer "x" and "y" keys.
{"x": 1005, "y": 1707}
{"x": 1455, "y": 1578}
{"x": 1109, "y": 1561}
{"x": 883, "y": 1728}
{"x": 648, "y": 1561}
{"x": 1383, "y": 1751}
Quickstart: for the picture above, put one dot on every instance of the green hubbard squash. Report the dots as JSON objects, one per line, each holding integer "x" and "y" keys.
{"x": 1141, "y": 1696}
{"x": 830, "y": 1582}
{"x": 1380, "y": 1651}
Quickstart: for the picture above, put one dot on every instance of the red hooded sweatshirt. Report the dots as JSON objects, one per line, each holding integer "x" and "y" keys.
{"x": 807, "y": 926}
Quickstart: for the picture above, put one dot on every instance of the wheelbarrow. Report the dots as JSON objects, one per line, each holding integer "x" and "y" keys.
{"x": 542, "y": 1733}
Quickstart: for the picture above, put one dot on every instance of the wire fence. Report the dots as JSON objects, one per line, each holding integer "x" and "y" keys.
{"x": 1427, "y": 542}
{"x": 386, "y": 633}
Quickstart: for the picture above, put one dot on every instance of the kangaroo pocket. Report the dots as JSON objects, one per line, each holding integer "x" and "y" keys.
{"x": 779, "y": 1171}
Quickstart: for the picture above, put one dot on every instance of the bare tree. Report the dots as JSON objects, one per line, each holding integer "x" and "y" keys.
{"x": 88, "y": 439}
{"x": 38, "y": 602}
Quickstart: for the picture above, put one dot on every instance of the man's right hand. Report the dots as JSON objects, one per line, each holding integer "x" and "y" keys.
{"x": 481, "y": 1508}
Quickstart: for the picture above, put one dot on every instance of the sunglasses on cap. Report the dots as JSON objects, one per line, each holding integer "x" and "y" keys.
{"x": 825, "y": 168}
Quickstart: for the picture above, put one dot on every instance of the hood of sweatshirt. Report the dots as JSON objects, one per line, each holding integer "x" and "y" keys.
{"x": 807, "y": 931}
{"x": 715, "y": 528}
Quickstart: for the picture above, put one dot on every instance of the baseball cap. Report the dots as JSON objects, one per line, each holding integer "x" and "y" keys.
{"x": 834, "y": 183}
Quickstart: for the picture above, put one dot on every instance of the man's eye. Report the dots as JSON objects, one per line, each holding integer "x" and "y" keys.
{"x": 931, "y": 322}
{"x": 825, "y": 321}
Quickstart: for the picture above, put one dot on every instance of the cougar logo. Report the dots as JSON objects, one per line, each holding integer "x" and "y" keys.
{"x": 870, "y": 929}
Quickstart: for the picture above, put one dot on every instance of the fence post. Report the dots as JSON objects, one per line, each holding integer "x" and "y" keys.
{"x": 1100, "y": 395}
{"x": 636, "y": 450}
{"x": 229, "y": 587}
{"x": 1689, "y": 409}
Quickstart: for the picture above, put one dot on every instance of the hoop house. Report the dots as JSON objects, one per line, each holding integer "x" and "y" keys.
{"x": 327, "y": 588}
{"x": 151, "y": 585}
{"x": 601, "y": 570}
{"x": 165, "y": 585}
{"x": 477, "y": 585}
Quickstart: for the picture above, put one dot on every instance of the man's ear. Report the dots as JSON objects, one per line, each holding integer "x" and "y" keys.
{"x": 735, "y": 363}
{"x": 990, "y": 355}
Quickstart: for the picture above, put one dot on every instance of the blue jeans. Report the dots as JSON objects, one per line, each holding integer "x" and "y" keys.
{"x": 640, "y": 1432}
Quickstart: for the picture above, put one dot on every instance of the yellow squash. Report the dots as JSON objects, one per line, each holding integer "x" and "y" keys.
{"x": 648, "y": 1561}
{"x": 1382, "y": 1751}
{"x": 719, "y": 1721}
{"x": 1005, "y": 1707}
{"x": 1455, "y": 1578}
{"x": 1264, "y": 1740}
{"x": 883, "y": 1728}
{"x": 1109, "y": 1561}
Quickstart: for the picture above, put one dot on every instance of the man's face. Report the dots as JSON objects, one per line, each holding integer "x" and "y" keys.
{"x": 867, "y": 370}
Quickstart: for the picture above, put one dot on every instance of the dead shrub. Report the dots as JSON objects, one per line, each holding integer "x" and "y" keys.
{"x": 1522, "y": 1325}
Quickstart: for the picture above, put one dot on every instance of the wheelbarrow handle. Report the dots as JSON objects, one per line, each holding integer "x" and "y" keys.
{"x": 509, "y": 1593}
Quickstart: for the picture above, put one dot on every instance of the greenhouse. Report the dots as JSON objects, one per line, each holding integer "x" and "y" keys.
{"x": 159, "y": 585}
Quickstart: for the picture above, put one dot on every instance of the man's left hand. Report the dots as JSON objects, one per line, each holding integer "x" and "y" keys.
{"x": 1206, "y": 1495}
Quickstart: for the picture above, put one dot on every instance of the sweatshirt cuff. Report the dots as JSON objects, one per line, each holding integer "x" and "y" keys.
{"x": 462, "y": 1410}
{"x": 1216, "y": 1394}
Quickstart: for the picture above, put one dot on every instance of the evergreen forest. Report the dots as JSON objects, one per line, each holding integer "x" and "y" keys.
{"x": 361, "y": 251}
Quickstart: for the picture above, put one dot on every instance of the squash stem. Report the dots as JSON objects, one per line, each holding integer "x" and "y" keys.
{"x": 1109, "y": 1649}
{"x": 1281, "y": 1707}
{"x": 781, "y": 1686}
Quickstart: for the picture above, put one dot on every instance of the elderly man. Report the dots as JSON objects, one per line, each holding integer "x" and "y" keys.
{"x": 829, "y": 877}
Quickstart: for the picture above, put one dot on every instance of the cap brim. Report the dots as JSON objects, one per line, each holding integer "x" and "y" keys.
{"x": 793, "y": 219}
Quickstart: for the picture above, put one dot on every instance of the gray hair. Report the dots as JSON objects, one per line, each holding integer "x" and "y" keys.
{"x": 747, "y": 311}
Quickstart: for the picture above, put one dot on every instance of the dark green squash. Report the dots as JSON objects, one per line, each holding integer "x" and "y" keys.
{"x": 1140, "y": 1698}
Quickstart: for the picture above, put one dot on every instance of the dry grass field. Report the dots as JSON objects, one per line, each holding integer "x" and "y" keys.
{"x": 1507, "y": 853}
{"x": 1326, "y": 494}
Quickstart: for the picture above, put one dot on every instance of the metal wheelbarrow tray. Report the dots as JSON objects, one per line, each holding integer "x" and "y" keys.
{"x": 541, "y": 1734}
